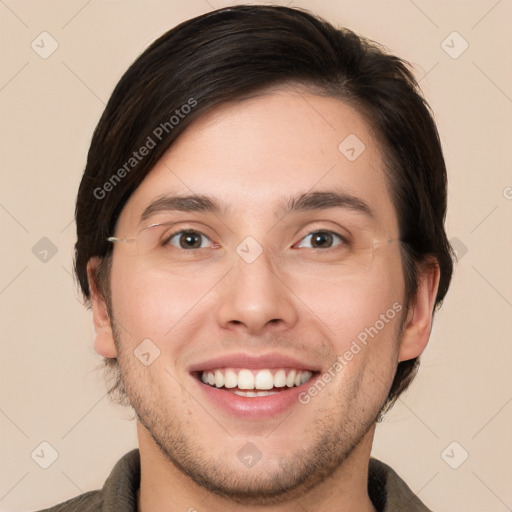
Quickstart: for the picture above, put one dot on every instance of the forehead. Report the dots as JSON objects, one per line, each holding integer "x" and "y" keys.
{"x": 254, "y": 156}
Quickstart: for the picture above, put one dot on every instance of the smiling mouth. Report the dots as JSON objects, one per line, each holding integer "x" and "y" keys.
{"x": 254, "y": 383}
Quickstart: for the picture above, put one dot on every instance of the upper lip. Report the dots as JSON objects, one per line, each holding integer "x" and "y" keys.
{"x": 253, "y": 361}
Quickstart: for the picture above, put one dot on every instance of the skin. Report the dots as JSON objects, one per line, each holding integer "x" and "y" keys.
{"x": 250, "y": 155}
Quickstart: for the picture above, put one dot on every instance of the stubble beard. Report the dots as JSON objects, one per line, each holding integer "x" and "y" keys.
{"x": 338, "y": 431}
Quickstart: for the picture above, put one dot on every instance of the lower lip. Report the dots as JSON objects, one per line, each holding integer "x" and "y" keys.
{"x": 254, "y": 407}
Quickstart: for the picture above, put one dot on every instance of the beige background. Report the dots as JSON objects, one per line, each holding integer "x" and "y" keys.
{"x": 49, "y": 108}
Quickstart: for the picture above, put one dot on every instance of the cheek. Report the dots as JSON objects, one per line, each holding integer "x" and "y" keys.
{"x": 347, "y": 306}
{"x": 360, "y": 316}
{"x": 151, "y": 305}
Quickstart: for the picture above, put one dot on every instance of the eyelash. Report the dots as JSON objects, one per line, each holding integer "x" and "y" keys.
{"x": 194, "y": 231}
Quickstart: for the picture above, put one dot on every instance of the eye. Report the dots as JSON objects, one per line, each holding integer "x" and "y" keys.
{"x": 187, "y": 239}
{"x": 323, "y": 239}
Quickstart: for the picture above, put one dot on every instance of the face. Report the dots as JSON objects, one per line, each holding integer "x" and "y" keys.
{"x": 252, "y": 334}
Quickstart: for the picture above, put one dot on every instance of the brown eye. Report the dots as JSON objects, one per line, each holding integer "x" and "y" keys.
{"x": 322, "y": 239}
{"x": 188, "y": 239}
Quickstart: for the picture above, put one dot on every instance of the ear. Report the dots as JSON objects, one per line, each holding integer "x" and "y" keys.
{"x": 418, "y": 324}
{"x": 103, "y": 336}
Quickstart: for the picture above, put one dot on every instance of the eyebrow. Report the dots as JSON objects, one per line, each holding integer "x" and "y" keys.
{"x": 308, "y": 201}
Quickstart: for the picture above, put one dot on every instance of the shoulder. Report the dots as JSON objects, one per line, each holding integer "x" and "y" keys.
{"x": 87, "y": 502}
{"x": 389, "y": 492}
{"x": 119, "y": 491}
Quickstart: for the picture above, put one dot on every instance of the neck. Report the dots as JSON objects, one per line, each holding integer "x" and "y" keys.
{"x": 165, "y": 488}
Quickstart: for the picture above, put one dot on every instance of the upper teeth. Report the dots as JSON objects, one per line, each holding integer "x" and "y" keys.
{"x": 255, "y": 379}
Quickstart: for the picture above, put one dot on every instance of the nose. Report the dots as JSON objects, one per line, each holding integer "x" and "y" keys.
{"x": 255, "y": 298}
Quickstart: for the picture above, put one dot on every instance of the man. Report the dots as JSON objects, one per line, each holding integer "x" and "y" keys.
{"x": 260, "y": 236}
